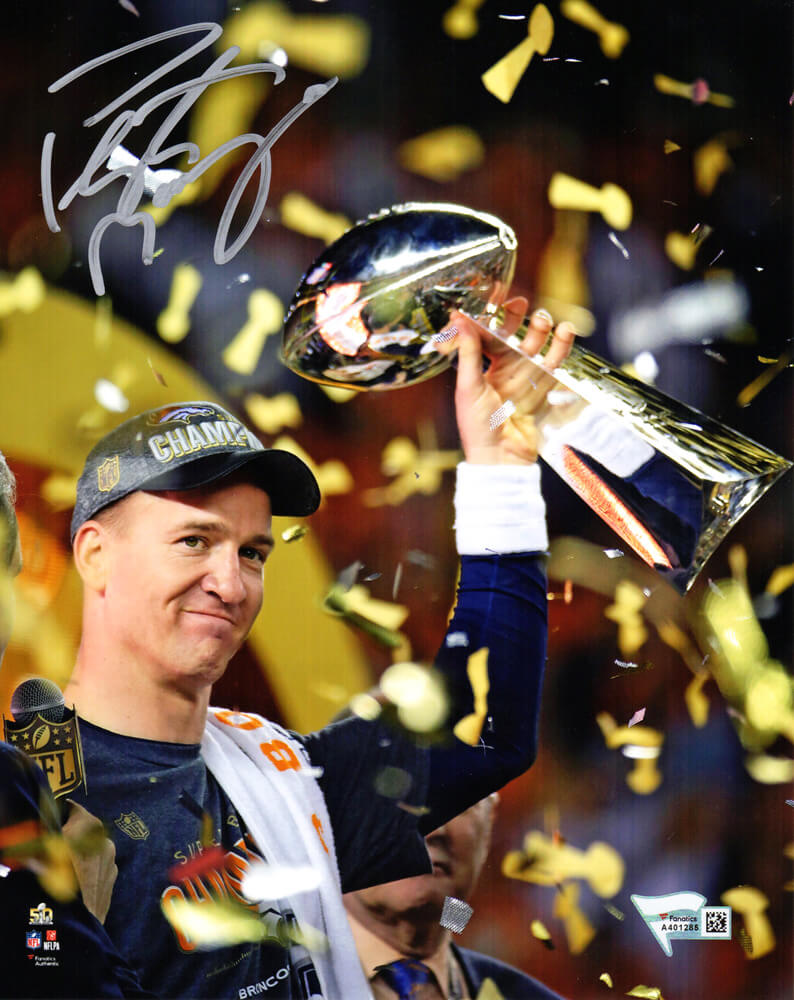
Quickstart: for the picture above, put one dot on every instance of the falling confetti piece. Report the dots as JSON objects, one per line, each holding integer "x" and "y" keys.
{"x": 301, "y": 214}
{"x": 697, "y": 92}
{"x": 265, "y": 315}
{"x": 443, "y": 154}
{"x": 503, "y": 77}
{"x": 333, "y": 477}
{"x": 546, "y": 861}
{"x": 648, "y": 992}
{"x": 538, "y": 929}
{"x": 129, "y": 6}
{"x": 610, "y": 200}
{"x": 413, "y": 810}
{"x": 681, "y": 249}
{"x": 460, "y": 21}
{"x": 294, "y": 533}
{"x": 173, "y": 323}
{"x": 670, "y": 146}
{"x": 780, "y": 580}
{"x": 213, "y": 924}
{"x": 748, "y": 394}
{"x": 770, "y": 770}
{"x": 709, "y": 163}
{"x": 272, "y": 414}
{"x": 606, "y": 978}
{"x": 365, "y": 707}
{"x": 455, "y": 914}
{"x": 469, "y": 728}
{"x": 614, "y": 911}
{"x": 416, "y": 470}
{"x": 696, "y": 702}
{"x": 638, "y": 716}
{"x": 578, "y": 929}
{"x": 629, "y": 600}
{"x": 751, "y": 904}
{"x": 25, "y": 292}
{"x": 419, "y": 695}
{"x": 393, "y": 782}
{"x": 612, "y": 37}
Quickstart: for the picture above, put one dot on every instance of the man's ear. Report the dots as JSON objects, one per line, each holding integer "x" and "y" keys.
{"x": 91, "y": 552}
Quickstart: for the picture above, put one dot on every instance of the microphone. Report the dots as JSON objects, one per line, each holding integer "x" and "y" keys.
{"x": 47, "y": 731}
{"x": 37, "y": 695}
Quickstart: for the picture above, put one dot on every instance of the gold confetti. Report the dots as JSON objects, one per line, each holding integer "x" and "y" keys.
{"x": 709, "y": 162}
{"x": 670, "y": 146}
{"x": 770, "y": 770}
{"x": 614, "y": 911}
{"x": 503, "y": 77}
{"x": 748, "y": 394}
{"x": 272, "y": 413}
{"x": 489, "y": 990}
{"x": 751, "y": 904}
{"x": 697, "y": 92}
{"x": 25, "y": 292}
{"x": 212, "y": 923}
{"x": 333, "y": 476}
{"x": 294, "y": 533}
{"x": 365, "y": 706}
{"x": 645, "y": 776}
{"x": 610, "y": 200}
{"x": 337, "y": 394}
{"x": 460, "y": 21}
{"x": 443, "y": 154}
{"x": 418, "y": 694}
{"x": 648, "y": 992}
{"x": 328, "y": 44}
{"x": 173, "y": 323}
{"x": 546, "y": 861}
{"x": 781, "y": 579}
{"x": 103, "y": 321}
{"x": 158, "y": 376}
{"x": 606, "y": 978}
{"x": 538, "y": 929}
{"x": 60, "y": 491}
{"x": 629, "y": 600}
{"x": 613, "y": 37}
{"x": 469, "y": 728}
{"x": 578, "y": 929}
{"x": 696, "y": 702}
{"x": 681, "y": 249}
{"x": 301, "y": 214}
{"x": 416, "y": 470}
{"x": 265, "y": 315}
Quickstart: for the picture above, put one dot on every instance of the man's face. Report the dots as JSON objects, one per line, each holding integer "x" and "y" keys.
{"x": 184, "y": 578}
{"x": 457, "y": 850}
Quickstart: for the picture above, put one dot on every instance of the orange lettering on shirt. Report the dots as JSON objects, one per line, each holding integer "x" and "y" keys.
{"x": 280, "y": 755}
{"x": 228, "y": 718}
{"x": 318, "y": 826}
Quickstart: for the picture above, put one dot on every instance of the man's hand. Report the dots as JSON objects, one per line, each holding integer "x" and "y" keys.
{"x": 94, "y": 858}
{"x": 510, "y": 377}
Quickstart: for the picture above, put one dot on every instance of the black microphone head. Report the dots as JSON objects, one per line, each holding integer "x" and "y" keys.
{"x": 37, "y": 695}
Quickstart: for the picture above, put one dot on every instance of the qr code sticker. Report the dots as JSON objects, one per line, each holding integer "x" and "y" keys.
{"x": 716, "y": 921}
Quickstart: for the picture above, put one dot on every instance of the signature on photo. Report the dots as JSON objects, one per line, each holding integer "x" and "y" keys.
{"x": 111, "y": 155}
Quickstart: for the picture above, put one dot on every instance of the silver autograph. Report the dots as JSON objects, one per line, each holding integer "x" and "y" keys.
{"x": 138, "y": 172}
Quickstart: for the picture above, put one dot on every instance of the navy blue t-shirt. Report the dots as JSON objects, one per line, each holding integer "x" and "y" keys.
{"x": 152, "y": 795}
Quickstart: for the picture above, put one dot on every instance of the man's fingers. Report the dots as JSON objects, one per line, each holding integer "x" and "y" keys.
{"x": 540, "y": 324}
{"x": 561, "y": 345}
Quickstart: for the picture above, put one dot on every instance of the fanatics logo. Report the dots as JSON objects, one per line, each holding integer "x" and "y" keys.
{"x": 34, "y": 939}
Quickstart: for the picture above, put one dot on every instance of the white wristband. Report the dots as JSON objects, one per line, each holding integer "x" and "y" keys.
{"x": 499, "y": 509}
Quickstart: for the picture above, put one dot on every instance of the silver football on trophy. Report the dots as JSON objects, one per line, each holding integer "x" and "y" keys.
{"x": 365, "y": 314}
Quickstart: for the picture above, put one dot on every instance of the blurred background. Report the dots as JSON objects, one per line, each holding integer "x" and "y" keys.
{"x": 688, "y": 110}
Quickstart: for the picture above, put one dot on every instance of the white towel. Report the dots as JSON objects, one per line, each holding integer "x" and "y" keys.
{"x": 283, "y": 807}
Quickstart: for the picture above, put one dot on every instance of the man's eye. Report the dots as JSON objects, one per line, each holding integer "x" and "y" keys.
{"x": 192, "y": 541}
{"x": 248, "y": 553}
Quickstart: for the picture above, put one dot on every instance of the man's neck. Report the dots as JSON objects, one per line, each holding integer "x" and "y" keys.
{"x": 380, "y": 941}
{"x": 124, "y": 700}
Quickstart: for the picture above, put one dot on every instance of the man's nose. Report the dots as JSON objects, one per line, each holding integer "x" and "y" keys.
{"x": 224, "y": 578}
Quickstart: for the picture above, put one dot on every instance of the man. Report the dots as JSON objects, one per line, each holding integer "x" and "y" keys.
{"x": 80, "y": 960}
{"x": 171, "y": 531}
{"x": 399, "y": 935}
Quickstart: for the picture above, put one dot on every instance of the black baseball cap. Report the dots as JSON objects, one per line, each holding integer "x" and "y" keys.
{"x": 185, "y": 445}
